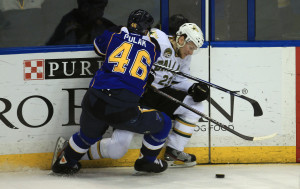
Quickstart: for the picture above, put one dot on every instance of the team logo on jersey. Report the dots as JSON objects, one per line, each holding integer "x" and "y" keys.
{"x": 33, "y": 69}
{"x": 168, "y": 53}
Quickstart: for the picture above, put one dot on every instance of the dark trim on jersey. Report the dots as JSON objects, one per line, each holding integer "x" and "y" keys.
{"x": 153, "y": 40}
{"x": 156, "y": 56}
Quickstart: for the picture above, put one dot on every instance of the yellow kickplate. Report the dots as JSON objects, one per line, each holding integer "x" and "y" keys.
{"x": 249, "y": 154}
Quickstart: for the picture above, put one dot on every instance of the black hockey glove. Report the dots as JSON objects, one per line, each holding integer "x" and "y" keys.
{"x": 150, "y": 78}
{"x": 199, "y": 92}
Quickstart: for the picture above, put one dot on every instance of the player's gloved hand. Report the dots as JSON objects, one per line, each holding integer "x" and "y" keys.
{"x": 199, "y": 92}
{"x": 150, "y": 78}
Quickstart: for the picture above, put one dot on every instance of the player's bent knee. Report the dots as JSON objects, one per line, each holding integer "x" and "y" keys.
{"x": 84, "y": 140}
{"x": 162, "y": 134}
{"x": 167, "y": 122}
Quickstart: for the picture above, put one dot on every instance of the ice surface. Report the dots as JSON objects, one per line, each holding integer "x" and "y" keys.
{"x": 241, "y": 176}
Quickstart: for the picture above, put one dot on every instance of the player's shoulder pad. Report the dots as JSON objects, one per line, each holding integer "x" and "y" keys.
{"x": 96, "y": 51}
{"x": 157, "y": 33}
{"x": 161, "y": 37}
{"x": 153, "y": 40}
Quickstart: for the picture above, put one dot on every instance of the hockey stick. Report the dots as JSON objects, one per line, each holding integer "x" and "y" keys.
{"x": 256, "y": 107}
{"x": 211, "y": 119}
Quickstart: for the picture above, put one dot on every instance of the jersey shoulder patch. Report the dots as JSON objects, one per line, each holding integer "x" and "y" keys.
{"x": 163, "y": 41}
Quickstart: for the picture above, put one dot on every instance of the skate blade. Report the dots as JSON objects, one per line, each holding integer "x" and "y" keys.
{"x": 180, "y": 164}
{"x": 143, "y": 173}
{"x": 58, "y": 147}
{"x": 51, "y": 173}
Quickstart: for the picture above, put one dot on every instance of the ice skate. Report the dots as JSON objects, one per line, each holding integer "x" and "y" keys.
{"x": 60, "y": 164}
{"x": 157, "y": 166}
{"x": 177, "y": 158}
{"x": 60, "y": 145}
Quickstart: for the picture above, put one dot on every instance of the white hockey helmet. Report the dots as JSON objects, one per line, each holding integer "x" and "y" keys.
{"x": 193, "y": 33}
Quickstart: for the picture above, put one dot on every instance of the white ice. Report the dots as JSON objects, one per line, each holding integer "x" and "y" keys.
{"x": 241, "y": 176}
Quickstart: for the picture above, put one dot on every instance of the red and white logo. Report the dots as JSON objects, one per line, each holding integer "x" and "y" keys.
{"x": 34, "y": 69}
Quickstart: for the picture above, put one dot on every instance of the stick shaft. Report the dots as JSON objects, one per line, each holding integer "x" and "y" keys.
{"x": 211, "y": 119}
{"x": 256, "y": 107}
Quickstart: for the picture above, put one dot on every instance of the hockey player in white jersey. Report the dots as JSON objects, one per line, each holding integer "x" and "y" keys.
{"x": 176, "y": 54}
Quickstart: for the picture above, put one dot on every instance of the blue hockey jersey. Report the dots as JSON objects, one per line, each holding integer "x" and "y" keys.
{"x": 129, "y": 58}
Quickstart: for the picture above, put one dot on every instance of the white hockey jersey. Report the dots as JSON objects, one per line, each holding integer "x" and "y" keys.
{"x": 164, "y": 78}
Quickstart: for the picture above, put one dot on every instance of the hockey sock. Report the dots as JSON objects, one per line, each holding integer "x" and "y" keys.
{"x": 114, "y": 147}
{"x": 94, "y": 152}
{"x": 78, "y": 146}
{"x": 153, "y": 143}
{"x": 181, "y": 134}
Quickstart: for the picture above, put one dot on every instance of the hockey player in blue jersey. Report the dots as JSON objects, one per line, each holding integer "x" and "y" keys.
{"x": 114, "y": 95}
{"x": 186, "y": 38}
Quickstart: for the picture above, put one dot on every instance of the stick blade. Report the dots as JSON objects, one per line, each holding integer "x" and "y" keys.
{"x": 256, "y": 107}
{"x": 264, "y": 137}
